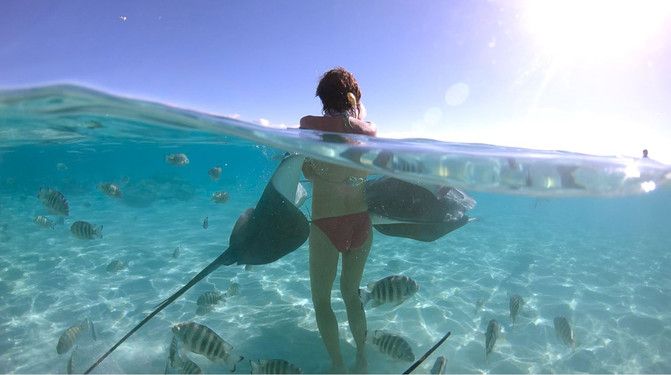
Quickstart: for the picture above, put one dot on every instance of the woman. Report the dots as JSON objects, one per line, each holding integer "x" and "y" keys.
{"x": 340, "y": 221}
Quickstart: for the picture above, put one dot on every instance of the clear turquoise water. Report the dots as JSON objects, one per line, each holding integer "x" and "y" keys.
{"x": 598, "y": 255}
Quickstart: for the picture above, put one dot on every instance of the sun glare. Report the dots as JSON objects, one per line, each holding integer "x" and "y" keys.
{"x": 594, "y": 30}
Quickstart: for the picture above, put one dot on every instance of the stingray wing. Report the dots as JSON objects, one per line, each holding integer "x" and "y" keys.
{"x": 403, "y": 209}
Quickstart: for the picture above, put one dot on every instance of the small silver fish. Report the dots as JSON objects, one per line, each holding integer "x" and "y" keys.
{"x": 215, "y": 173}
{"x": 116, "y": 265}
{"x": 274, "y": 366}
{"x": 492, "y": 334}
{"x": 110, "y": 189}
{"x": 206, "y": 222}
{"x": 212, "y": 297}
{"x": 44, "y": 221}
{"x": 515, "y": 304}
{"x": 54, "y": 201}
{"x": 177, "y": 159}
{"x": 233, "y": 289}
{"x": 439, "y": 365}
{"x": 391, "y": 289}
{"x": 564, "y": 331}
{"x": 200, "y": 339}
{"x": 220, "y": 197}
{"x": 86, "y": 231}
{"x": 70, "y": 336}
{"x": 392, "y": 345}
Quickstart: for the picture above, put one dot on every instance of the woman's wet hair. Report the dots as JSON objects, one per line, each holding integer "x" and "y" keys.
{"x": 333, "y": 88}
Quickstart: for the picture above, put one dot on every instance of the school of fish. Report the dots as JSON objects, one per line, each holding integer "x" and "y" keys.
{"x": 199, "y": 339}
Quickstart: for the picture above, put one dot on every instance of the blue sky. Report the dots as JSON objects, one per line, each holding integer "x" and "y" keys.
{"x": 587, "y": 76}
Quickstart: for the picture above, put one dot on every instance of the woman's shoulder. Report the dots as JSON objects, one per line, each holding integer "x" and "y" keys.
{"x": 336, "y": 124}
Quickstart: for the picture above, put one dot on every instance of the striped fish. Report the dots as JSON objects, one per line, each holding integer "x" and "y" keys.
{"x": 204, "y": 309}
{"x": 44, "y": 221}
{"x": 392, "y": 345}
{"x": 179, "y": 362}
{"x": 210, "y": 298}
{"x": 439, "y": 365}
{"x": 116, "y": 265}
{"x": 492, "y": 334}
{"x": 274, "y": 366}
{"x": 70, "y": 368}
{"x": 233, "y": 289}
{"x": 110, "y": 189}
{"x": 564, "y": 331}
{"x": 85, "y": 230}
{"x": 515, "y": 304}
{"x": 200, "y": 339}
{"x": 54, "y": 201}
{"x": 70, "y": 336}
{"x": 391, "y": 289}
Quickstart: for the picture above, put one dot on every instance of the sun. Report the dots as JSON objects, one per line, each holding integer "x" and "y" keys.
{"x": 594, "y": 30}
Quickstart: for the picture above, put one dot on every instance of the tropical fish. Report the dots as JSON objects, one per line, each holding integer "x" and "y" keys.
{"x": 44, "y": 221}
{"x": 391, "y": 289}
{"x": 206, "y": 222}
{"x": 214, "y": 173}
{"x": 204, "y": 309}
{"x": 439, "y": 365}
{"x": 220, "y": 197}
{"x": 274, "y": 366}
{"x": 210, "y": 298}
{"x": 564, "y": 331}
{"x": 116, "y": 265}
{"x": 492, "y": 334}
{"x": 54, "y": 201}
{"x": 70, "y": 368}
{"x": 392, "y": 345}
{"x": 181, "y": 362}
{"x": 516, "y": 303}
{"x": 177, "y": 159}
{"x": 61, "y": 167}
{"x": 110, "y": 189}
{"x": 85, "y": 230}
{"x": 176, "y": 252}
{"x": 200, "y": 339}
{"x": 233, "y": 289}
{"x": 70, "y": 336}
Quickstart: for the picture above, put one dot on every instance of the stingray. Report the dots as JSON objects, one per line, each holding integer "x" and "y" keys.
{"x": 277, "y": 226}
{"x": 420, "y": 212}
{"x": 261, "y": 235}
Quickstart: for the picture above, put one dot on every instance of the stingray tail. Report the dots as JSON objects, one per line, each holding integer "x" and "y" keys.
{"x": 224, "y": 259}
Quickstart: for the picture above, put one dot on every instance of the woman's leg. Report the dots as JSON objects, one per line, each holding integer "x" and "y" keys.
{"x": 353, "y": 263}
{"x": 323, "y": 268}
